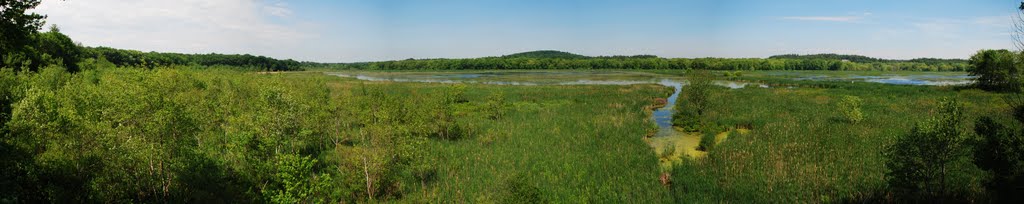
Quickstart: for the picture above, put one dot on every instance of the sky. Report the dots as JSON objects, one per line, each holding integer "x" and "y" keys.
{"x": 374, "y": 30}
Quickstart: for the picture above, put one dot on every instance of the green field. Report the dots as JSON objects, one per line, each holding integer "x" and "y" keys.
{"x": 511, "y": 102}
{"x": 318, "y": 137}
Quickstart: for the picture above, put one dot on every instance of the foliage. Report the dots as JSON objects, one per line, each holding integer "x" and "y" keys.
{"x": 194, "y": 134}
{"x": 695, "y": 100}
{"x": 923, "y": 162}
{"x": 561, "y": 60}
{"x": 134, "y": 58}
{"x": 707, "y": 139}
{"x": 552, "y": 54}
{"x": 732, "y": 74}
{"x": 850, "y": 108}
{"x": 999, "y": 149}
{"x": 996, "y": 70}
{"x": 518, "y": 190}
{"x": 292, "y": 181}
{"x": 17, "y": 25}
{"x": 496, "y": 106}
{"x": 795, "y": 151}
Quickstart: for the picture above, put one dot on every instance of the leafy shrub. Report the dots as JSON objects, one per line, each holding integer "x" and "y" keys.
{"x": 495, "y": 106}
{"x": 295, "y": 182}
{"x": 999, "y": 149}
{"x": 849, "y": 107}
{"x": 518, "y": 190}
{"x": 922, "y": 162}
{"x": 707, "y": 140}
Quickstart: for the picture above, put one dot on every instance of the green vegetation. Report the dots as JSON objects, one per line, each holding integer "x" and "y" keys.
{"x": 216, "y": 135}
{"x": 102, "y": 125}
{"x": 850, "y": 106}
{"x": 694, "y": 101}
{"x": 550, "y": 54}
{"x": 797, "y": 153}
{"x": 996, "y": 70}
{"x": 134, "y": 58}
{"x": 924, "y": 162}
{"x": 539, "y": 60}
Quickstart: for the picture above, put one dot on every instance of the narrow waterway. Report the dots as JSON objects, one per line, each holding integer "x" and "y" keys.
{"x": 663, "y": 116}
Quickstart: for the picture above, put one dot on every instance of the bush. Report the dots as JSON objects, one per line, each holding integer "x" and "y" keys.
{"x": 996, "y": 70}
{"x": 695, "y": 100}
{"x": 708, "y": 140}
{"x": 999, "y": 150}
{"x": 922, "y": 162}
{"x": 495, "y": 106}
{"x": 849, "y": 107}
{"x": 518, "y": 190}
{"x": 295, "y": 182}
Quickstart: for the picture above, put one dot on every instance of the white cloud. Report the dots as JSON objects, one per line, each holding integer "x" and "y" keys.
{"x": 189, "y": 26}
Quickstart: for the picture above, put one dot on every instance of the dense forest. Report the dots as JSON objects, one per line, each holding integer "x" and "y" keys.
{"x": 548, "y": 59}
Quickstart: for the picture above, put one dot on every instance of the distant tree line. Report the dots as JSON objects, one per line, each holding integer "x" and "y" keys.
{"x": 865, "y": 59}
{"x": 122, "y": 57}
{"x": 556, "y": 60}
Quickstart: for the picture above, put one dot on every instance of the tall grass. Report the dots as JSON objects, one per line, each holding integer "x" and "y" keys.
{"x": 802, "y": 150}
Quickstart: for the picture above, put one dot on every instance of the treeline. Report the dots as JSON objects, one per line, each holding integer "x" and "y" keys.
{"x": 135, "y": 58}
{"x": 552, "y": 60}
{"x": 866, "y": 59}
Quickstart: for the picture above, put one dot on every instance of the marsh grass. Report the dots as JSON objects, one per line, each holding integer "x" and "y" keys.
{"x": 576, "y": 143}
{"x": 797, "y": 152}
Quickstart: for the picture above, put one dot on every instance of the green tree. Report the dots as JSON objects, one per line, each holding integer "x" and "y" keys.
{"x": 996, "y": 70}
{"x": 59, "y": 47}
{"x": 696, "y": 99}
{"x": 17, "y": 25}
{"x": 922, "y": 162}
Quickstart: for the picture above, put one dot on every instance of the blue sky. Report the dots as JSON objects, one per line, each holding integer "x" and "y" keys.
{"x": 368, "y": 30}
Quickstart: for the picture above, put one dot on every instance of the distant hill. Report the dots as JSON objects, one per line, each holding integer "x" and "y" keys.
{"x": 546, "y": 54}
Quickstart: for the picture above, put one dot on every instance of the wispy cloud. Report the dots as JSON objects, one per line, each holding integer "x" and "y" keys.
{"x": 852, "y": 17}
